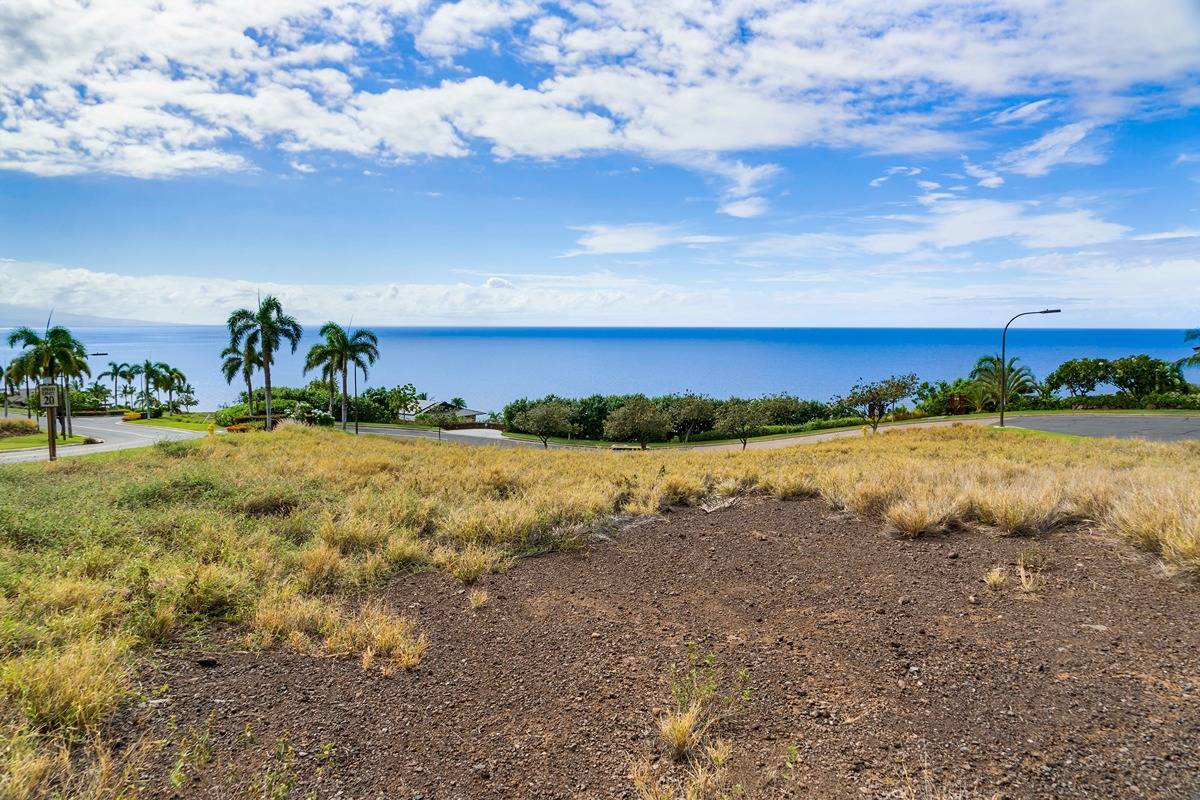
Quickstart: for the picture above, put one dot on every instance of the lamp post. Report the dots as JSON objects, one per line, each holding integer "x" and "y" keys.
{"x": 1004, "y": 359}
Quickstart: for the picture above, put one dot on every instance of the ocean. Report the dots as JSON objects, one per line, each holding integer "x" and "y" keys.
{"x": 488, "y": 367}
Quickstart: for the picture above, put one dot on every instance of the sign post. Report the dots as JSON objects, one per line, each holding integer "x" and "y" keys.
{"x": 48, "y": 399}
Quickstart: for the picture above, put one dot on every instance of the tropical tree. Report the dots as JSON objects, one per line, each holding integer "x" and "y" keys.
{"x": 173, "y": 380}
{"x": 871, "y": 401}
{"x": 187, "y": 396}
{"x": 56, "y": 356}
{"x": 341, "y": 351}
{"x": 1079, "y": 376}
{"x": 997, "y": 383}
{"x": 151, "y": 373}
{"x": 742, "y": 419}
{"x": 692, "y": 413}
{"x": 115, "y": 371}
{"x": 21, "y": 370}
{"x": 242, "y": 361}
{"x": 1194, "y": 359}
{"x": 639, "y": 420}
{"x": 545, "y": 420}
{"x": 266, "y": 328}
{"x": 1142, "y": 375}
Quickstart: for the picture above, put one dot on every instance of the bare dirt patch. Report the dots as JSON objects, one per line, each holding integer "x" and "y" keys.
{"x": 868, "y": 658}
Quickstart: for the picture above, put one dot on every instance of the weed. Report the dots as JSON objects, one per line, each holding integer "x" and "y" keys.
{"x": 477, "y": 599}
{"x": 995, "y": 577}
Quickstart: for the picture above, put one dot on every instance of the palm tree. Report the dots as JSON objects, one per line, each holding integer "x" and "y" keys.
{"x": 266, "y": 328}
{"x": 341, "y": 351}
{"x": 20, "y": 371}
{"x": 114, "y": 371}
{"x": 243, "y": 361}
{"x": 1013, "y": 380}
{"x": 172, "y": 380}
{"x": 55, "y": 356}
{"x": 127, "y": 373}
{"x": 1194, "y": 359}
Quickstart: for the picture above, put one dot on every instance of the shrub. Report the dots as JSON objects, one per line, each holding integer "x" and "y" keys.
{"x": 17, "y": 426}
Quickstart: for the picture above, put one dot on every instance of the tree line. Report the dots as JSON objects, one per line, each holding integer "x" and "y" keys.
{"x": 1139, "y": 379}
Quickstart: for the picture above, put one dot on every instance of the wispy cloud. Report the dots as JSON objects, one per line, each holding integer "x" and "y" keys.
{"x": 634, "y": 238}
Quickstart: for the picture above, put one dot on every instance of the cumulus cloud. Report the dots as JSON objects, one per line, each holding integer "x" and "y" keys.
{"x": 155, "y": 89}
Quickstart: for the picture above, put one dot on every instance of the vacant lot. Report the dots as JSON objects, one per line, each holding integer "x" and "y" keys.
{"x": 308, "y": 592}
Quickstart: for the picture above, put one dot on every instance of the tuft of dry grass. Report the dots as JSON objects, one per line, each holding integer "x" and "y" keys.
{"x": 477, "y": 599}
{"x": 995, "y": 577}
{"x": 105, "y": 555}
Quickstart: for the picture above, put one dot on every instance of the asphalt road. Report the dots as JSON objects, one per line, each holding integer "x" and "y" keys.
{"x": 1155, "y": 427}
{"x": 116, "y": 435}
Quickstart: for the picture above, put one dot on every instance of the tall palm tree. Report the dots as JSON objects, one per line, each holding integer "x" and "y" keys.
{"x": 20, "y": 371}
{"x": 1012, "y": 379}
{"x": 1194, "y": 359}
{"x": 114, "y": 371}
{"x": 56, "y": 356}
{"x": 242, "y": 361}
{"x": 341, "y": 351}
{"x": 170, "y": 380}
{"x": 128, "y": 373}
{"x": 266, "y": 328}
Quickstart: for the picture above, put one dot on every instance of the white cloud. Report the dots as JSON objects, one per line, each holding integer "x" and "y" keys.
{"x": 1068, "y": 144}
{"x": 1178, "y": 233}
{"x": 745, "y": 208}
{"x": 988, "y": 179}
{"x": 634, "y": 238}
{"x": 949, "y": 222}
{"x": 150, "y": 89}
{"x": 208, "y": 300}
{"x": 1026, "y": 113}
{"x": 301, "y": 167}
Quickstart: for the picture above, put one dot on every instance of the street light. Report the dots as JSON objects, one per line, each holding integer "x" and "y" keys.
{"x": 1004, "y": 360}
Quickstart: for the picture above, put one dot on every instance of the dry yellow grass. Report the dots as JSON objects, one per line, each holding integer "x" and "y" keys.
{"x": 104, "y": 555}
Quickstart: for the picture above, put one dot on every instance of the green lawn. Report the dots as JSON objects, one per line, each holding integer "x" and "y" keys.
{"x": 34, "y": 440}
{"x": 187, "y": 422}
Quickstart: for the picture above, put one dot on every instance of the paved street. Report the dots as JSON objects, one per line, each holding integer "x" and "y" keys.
{"x": 116, "y": 435}
{"x": 1155, "y": 427}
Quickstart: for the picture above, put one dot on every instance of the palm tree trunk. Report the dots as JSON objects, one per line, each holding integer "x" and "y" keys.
{"x": 70, "y": 422}
{"x": 345, "y": 396}
{"x": 249, "y": 394}
{"x": 28, "y": 401}
{"x": 266, "y": 362}
{"x": 332, "y": 390}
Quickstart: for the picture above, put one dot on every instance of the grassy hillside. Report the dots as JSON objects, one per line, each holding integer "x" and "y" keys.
{"x": 284, "y": 535}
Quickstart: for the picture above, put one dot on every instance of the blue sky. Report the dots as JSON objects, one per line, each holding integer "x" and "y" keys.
{"x": 490, "y": 162}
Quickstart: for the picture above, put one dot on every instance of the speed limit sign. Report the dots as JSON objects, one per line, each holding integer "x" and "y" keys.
{"x": 48, "y": 395}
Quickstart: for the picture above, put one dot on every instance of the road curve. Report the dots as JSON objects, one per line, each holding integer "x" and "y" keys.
{"x": 115, "y": 435}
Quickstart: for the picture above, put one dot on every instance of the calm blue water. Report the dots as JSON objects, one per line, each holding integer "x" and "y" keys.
{"x": 490, "y": 366}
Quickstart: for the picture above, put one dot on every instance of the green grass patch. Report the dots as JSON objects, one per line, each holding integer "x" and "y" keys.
{"x": 187, "y": 422}
{"x": 36, "y": 440}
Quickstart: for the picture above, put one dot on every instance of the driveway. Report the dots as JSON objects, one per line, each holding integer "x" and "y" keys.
{"x": 484, "y": 437}
{"x": 116, "y": 435}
